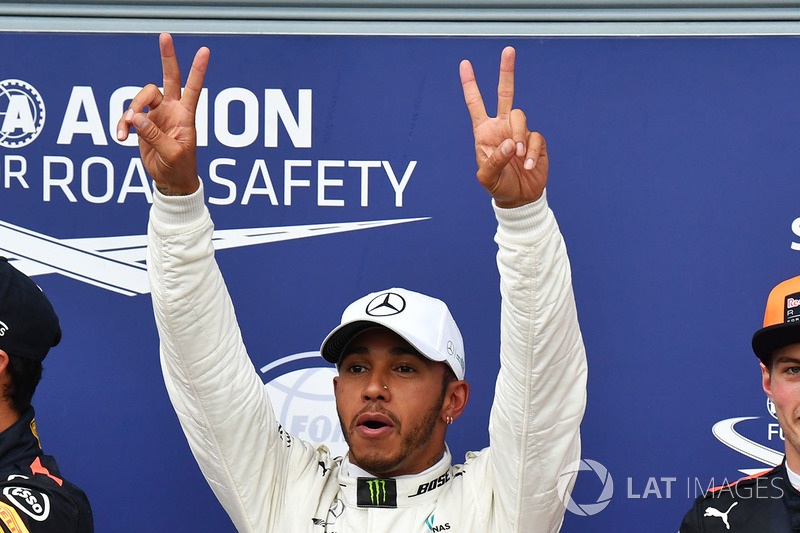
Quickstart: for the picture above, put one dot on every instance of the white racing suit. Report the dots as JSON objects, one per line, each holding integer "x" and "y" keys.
{"x": 269, "y": 481}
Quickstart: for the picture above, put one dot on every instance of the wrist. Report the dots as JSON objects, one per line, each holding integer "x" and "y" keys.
{"x": 173, "y": 189}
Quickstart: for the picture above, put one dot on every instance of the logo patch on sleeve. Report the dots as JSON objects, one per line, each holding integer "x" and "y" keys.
{"x": 374, "y": 492}
{"x": 30, "y": 501}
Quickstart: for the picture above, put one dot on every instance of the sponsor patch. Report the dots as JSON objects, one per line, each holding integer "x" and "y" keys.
{"x": 792, "y": 301}
{"x": 433, "y": 527}
{"x": 12, "y": 520}
{"x": 30, "y": 501}
{"x": 373, "y": 492}
{"x": 432, "y": 485}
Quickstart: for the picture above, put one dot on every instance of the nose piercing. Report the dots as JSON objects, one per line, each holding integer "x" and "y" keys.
{"x": 385, "y": 387}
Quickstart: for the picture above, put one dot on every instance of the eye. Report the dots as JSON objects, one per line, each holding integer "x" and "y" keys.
{"x": 356, "y": 369}
{"x": 793, "y": 370}
{"x": 405, "y": 369}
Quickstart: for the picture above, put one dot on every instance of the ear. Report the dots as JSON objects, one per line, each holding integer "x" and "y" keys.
{"x": 455, "y": 399}
{"x": 766, "y": 380}
{"x": 3, "y": 361}
{"x": 335, "y": 384}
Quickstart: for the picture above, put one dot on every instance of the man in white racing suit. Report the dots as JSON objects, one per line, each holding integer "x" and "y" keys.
{"x": 398, "y": 475}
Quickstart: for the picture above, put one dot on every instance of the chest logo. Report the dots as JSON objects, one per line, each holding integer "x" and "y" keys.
{"x": 336, "y": 510}
{"x": 373, "y": 492}
{"x": 434, "y": 528}
{"x": 30, "y": 501}
{"x": 433, "y": 485}
{"x": 719, "y": 514}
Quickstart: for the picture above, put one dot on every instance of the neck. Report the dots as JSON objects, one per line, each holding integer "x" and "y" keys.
{"x": 392, "y": 473}
{"x": 8, "y": 416}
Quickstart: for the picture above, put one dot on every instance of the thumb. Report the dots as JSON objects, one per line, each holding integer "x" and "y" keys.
{"x": 172, "y": 167}
{"x": 149, "y": 133}
{"x": 490, "y": 169}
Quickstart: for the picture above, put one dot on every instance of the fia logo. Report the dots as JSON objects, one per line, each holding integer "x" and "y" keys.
{"x": 21, "y": 113}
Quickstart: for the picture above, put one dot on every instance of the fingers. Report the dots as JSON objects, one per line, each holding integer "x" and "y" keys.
{"x": 152, "y": 135}
{"x": 169, "y": 67}
{"x": 505, "y": 85}
{"x": 172, "y": 74}
{"x": 150, "y": 96}
{"x": 529, "y": 145}
{"x": 194, "y": 83}
{"x": 124, "y": 125}
{"x": 537, "y": 150}
{"x": 518, "y": 123}
{"x": 489, "y": 171}
{"x": 472, "y": 95}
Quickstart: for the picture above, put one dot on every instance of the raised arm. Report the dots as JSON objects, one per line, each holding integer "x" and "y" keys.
{"x": 541, "y": 388}
{"x": 220, "y": 399}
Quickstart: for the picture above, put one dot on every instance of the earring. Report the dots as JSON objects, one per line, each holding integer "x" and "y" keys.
{"x": 448, "y": 419}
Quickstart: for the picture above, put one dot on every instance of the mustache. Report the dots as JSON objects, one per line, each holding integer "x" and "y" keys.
{"x": 375, "y": 408}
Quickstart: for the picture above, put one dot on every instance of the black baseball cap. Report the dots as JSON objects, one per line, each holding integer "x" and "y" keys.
{"x": 28, "y": 323}
{"x": 781, "y": 320}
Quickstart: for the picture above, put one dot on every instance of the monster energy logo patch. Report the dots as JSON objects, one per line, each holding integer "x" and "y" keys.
{"x": 372, "y": 492}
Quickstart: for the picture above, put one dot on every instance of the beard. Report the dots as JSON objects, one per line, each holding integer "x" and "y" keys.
{"x": 383, "y": 464}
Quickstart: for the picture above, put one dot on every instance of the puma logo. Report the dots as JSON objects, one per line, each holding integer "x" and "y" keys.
{"x": 719, "y": 514}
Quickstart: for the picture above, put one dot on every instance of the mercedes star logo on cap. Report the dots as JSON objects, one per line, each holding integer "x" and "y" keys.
{"x": 386, "y": 304}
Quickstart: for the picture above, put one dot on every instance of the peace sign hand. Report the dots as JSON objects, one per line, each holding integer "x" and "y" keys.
{"x": 167, "y": 134}
{"x": 512, "y": 160}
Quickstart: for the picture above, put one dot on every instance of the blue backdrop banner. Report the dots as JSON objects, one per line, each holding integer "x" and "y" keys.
{"x": 339, "y": 165}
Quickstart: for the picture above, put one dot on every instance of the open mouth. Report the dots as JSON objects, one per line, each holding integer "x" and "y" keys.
{"x": 374, "y": 424}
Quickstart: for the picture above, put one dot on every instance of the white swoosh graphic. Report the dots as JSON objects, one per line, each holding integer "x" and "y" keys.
{"x": 289, "y": 358}
{"x": 117, "y": 263}
{"x": 728, "y": 436}
{"x": 69, "y": 260}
